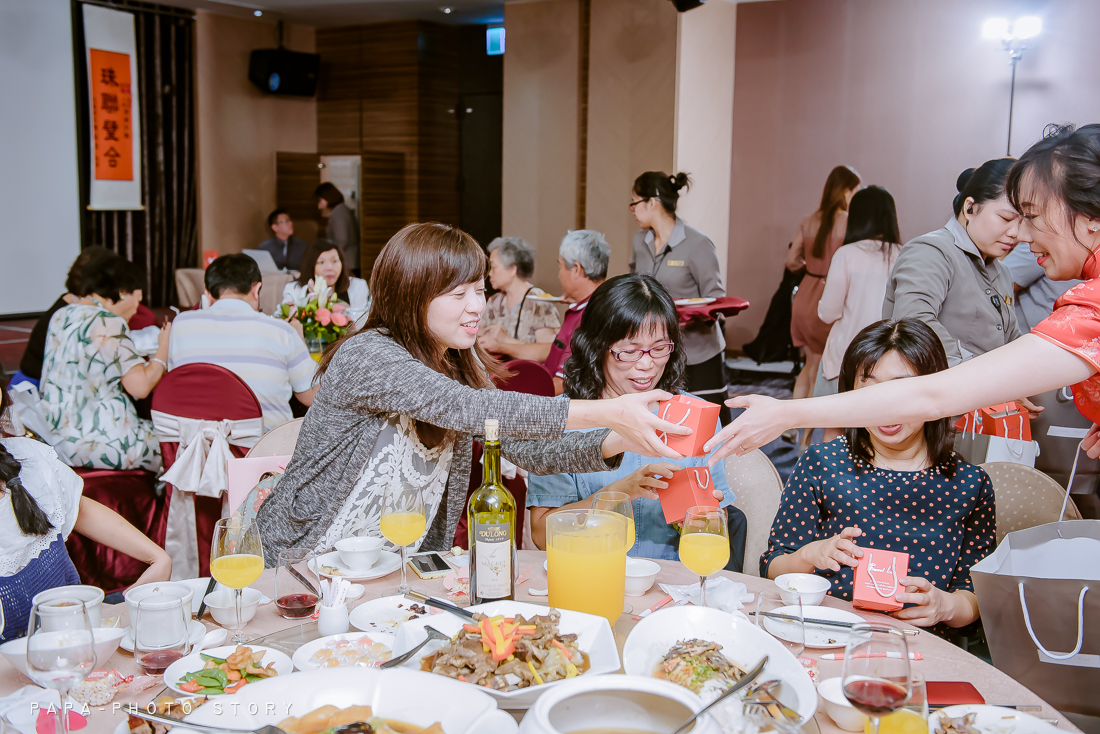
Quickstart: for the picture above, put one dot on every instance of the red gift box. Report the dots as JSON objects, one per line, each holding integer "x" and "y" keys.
{"x": 698, "y": 415}
{"x": 1007, "y": 420}
{"x": 877, "y": 580}
{"x": 689, "y": 487}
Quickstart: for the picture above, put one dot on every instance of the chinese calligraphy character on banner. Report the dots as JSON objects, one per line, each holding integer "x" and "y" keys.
{"x": 111, "y": 110}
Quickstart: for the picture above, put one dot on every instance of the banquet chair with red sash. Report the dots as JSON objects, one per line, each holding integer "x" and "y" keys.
{"x": 527, "y": 377}
{"x": 203, "y": 415}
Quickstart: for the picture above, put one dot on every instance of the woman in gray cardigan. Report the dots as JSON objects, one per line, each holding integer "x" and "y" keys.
{"x": 401, "y": 399}
{"x": 952, "y": 279}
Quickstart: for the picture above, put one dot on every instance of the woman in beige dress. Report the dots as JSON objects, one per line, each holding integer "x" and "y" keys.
{"x": 818, "y": 237}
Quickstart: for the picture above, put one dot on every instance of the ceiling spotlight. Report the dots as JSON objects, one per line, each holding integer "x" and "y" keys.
{"x": 446, "y": 10}
{"x": 995, "y": 29}
{"x": 1027, "y": 27}
{"x": 257, "y": 13}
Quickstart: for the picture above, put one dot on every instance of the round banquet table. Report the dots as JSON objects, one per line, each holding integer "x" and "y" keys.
{"x": 942, "y": 660}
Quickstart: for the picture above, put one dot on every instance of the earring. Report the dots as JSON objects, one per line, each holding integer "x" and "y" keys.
{"x": 1094, "y": 228}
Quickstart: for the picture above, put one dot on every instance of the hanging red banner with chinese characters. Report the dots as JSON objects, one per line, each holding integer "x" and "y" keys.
{"x": 111, "y": 115}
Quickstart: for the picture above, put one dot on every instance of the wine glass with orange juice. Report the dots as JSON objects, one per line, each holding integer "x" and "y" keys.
{"x": 236, "y": 559}
{"x": 403, "y": 522}
{"x": 704, "y": 544}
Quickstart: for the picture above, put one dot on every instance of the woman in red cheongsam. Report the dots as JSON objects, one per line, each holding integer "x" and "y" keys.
{"x": 1056, "y": 187}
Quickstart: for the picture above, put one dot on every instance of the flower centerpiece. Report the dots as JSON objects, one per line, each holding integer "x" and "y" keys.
{"x": 318, "y": 309}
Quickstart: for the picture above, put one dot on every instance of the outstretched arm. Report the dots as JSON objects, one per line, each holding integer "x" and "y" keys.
{"x": 1028, "y": 366}
{"x": 104, "y": 525}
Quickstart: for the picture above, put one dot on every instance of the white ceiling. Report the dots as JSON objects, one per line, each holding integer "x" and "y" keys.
{"x": 327, "y": 13}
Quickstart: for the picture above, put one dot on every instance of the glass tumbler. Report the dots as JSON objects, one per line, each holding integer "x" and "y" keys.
{"x": 296, "y": 586}
{"x": 161, "y": 632}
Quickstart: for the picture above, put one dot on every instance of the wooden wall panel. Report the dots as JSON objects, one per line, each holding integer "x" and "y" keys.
{"x": 296, "y": 178}
{"x": 437, "y": 124}
{"x": 382, "y": 174}
{"x": 339, "y": 126}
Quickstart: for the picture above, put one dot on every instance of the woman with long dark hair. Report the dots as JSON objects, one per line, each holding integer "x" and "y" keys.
{"x": 1053, "y": 186}
{"x": 853, "y": 293}
{"x": 400, "y": 400}
{"x": 629, "y": 341}
{"x": 952, "y": 279}
{"x": 860, "y": 492}
{"x": 685, "y": 261}
{"x": 818, "y": 237}
{"x": 323, "y": 259}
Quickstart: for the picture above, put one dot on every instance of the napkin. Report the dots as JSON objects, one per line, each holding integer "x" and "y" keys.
{"x": 722, "y": 593}
{"x": 28, "y": 709}
{"x": 145, "y": 340}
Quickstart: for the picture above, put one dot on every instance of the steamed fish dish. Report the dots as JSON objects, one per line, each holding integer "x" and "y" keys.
{"x": 694, "y": 663}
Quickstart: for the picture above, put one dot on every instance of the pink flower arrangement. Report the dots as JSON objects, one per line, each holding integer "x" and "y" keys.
{"x": 323, "y": 316}
{"x": 339, "y": 319}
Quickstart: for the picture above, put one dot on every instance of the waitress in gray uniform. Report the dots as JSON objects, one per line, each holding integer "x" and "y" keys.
{"x": 953, "y": 279}
{"x": 685, "y": 261}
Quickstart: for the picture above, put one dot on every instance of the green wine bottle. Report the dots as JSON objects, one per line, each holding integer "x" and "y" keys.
{"x": 491, "y": 522}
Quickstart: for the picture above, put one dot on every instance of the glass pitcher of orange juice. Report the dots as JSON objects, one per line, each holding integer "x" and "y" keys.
{"x": 586, "y": 561}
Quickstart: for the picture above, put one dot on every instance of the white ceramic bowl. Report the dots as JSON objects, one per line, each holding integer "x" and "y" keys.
{"x": 617, "y": 702}
{"x": 222, "y": 606}
{"x": 846, "y": 716}
{"x": 811, "y": 587}
{"x": 409, "y": 696}
{"x": 359, "y": 553}
{"x": 92, "y": 596}
{"x": 107, "y": 640}
{"x": 640, "y": 575}
{"x": 742, "y": 642}
{"x": 135, "y": 594}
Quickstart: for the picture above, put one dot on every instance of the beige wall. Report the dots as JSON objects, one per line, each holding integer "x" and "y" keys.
{"x": 908, "y": 93}
{"x": 704, "y": 117}
{"x": 540, "y": 129}
{"x": 631, "y": 111}
{"x": 239, "y": 130}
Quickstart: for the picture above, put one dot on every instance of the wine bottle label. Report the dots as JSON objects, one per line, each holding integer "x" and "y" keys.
{"x": 493, "y": 556}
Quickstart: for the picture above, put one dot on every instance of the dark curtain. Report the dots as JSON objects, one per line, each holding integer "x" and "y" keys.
{"x": 163, "y": 237}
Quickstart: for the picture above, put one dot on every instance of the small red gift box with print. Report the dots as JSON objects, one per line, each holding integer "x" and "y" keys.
{"x": 698, "y": 415}
{"x": 1007, "y": 420}
{"x": 877, "y": 580}
{"x": 689, "y": 487}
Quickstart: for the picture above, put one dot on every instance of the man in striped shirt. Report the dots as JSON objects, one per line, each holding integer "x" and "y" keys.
{"x": 265, "y": 352}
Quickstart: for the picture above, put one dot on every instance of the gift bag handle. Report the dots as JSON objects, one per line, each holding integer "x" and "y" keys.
{"x": 700, "y": 481}
{"x": 875, "y": 582}
{"x": 1008, "y": 440}
{"x": 1072, "y": 475}
{"x": 664, "y": 417}
{"x": 1080, "y": 626}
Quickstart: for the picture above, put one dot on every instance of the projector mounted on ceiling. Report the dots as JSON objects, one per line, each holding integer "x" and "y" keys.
{"x": 685, "y": 5}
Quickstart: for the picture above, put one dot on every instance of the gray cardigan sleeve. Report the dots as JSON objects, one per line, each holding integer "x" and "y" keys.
{"x": 380, "y": 376}
{"x": 577, "y": 451}
{"x": 918, "y": 287}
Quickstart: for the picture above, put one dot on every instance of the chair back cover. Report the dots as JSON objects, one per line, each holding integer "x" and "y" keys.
{"x": 209, "y": 393}
{"x": 758, "y": 487}
{"x": 529, "y": 377}
{"x": 279, "y": 441}
{"x": 1026, "y": 498}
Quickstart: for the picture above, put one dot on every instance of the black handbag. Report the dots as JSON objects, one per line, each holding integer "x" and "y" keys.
{"x": 773, "y": 341}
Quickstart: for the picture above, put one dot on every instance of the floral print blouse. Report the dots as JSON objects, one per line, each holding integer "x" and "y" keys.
{"x": 1075, "y": 326}
{"x": 535, "y": 315}
{"x": 88, "y": 350}
{"x": 946, "y": 525}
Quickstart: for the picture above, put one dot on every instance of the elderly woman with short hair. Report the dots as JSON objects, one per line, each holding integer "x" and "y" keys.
{"x": 517, "y": 308}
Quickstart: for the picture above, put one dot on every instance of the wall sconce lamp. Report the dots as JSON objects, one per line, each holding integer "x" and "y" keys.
{"x": 1013, "y": 38}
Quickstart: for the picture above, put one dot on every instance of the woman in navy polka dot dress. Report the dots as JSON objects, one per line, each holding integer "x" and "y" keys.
{"x": 898, "y": 488}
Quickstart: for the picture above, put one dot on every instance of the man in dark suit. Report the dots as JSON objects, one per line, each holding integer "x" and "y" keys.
{"x": 286, "y": 249}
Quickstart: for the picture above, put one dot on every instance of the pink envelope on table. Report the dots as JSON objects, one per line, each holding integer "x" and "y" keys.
{"x": 244, "y": 474}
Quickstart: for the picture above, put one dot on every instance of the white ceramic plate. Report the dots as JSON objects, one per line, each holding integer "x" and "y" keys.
{"x": 196, "y": 630}
{"x": 694, "y": 301}
{"x": 817, "y": 635}
{"x": 384, "y": 614}
{"x": 302, "y": 656}
{"x": 547, "y": 298}
{"x": 409, "y": 696}
{"x": 742, "y": 641}
{"x": 193, "y": 662}
{"x": 594, "y": 637}
{"x": 994, "y": 720}
{"x": 387, "y": 563}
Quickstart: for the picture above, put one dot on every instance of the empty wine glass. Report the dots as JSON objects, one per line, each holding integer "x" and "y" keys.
{"x": 236, "y": 559}
{"x": 876, "y": 677}
{"x": 704, "y": 544}
{"x": 403, "y": 522}
{"x": 60, "y": 648}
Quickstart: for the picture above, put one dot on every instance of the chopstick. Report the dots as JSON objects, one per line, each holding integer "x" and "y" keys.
{"x": 823, "y": 622}
{"x": 202, "y": 606}
{"x": 1016, "y": 706}
{"x": 424, "y": 599}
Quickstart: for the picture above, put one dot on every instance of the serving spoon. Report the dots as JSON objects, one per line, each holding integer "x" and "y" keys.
{"x": 359, "y": 727}
{"x": 747, "y": 680}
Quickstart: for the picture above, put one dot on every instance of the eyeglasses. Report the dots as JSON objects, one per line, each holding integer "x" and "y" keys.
{"x": 639, "y": 201}
{"x": 633, "y": 355}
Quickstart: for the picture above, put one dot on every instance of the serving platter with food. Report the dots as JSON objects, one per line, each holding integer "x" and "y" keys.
{"x": 409, "y": 702}
{"x": 694, "y": 301}
{"x": 983, "y": 719}
{"x": 223, "y": 670}
{"x": 352, "y": 649}
{"x": 697, "y": 646}
{"x": 515, "y": 651}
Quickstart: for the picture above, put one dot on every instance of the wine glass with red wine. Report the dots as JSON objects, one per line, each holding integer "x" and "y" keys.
{"x": 296, "y": 586}
{"x": 876, "y": 671}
